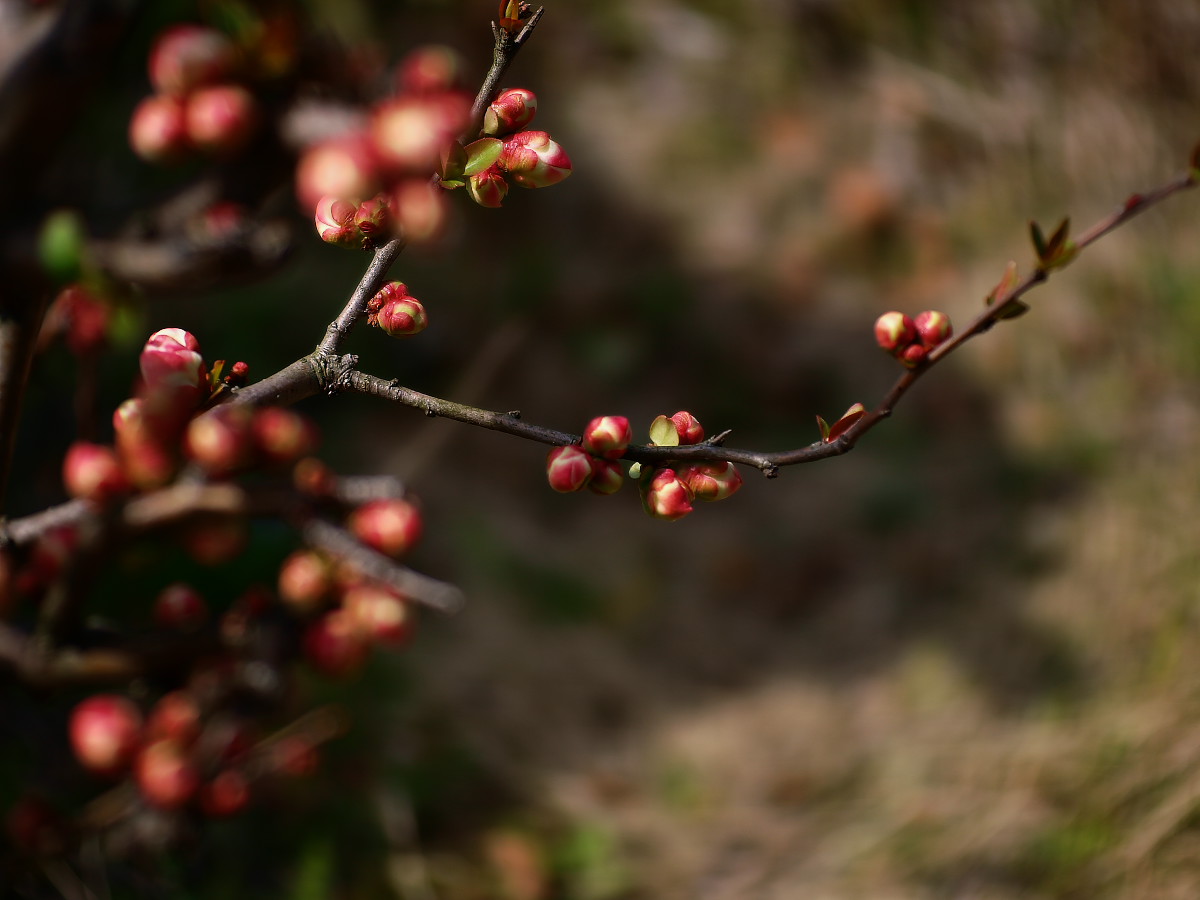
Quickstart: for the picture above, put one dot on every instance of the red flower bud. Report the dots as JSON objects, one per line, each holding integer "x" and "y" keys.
{"x": 105, "y": 732}
{"x": 913, "y": 355}
{"x": 93, "y": 472}
{"x": 711, "y": 480}
{"x": 511, "y": 111}
{"x": 180, "y": 606}
{"x": 226, "y": 795}
{"x": 158, "y": 130}
{"x": 283, "y": 435}
{"x": 216, "y": 541}
{"x": 607, "y": 476}
{"x": 419, "y": 209}
{"x": 488, "y": 188}
{"x": 933, "y": 327}
{"x": 176, "y": 717}
{"x": 220, "y": 120}
{"x": 188, "y": 56}
{"x": 568, "y": 468}
{"x": 665, "y": 496}
{"x": 165, "y": 775}
{"x": 83, "y": 316}
{"x": 681, "y": 428}
{"x": 335, "y": 646}
{"x": 894, "y": 331}
{"x": 342, "y": 167}
{"x": 335, "y": 223}
{"x": 220, "y": 441}
{"x": 391, "y": 526}
{"x": 607, "y": 436}
{"x": 378, "y": 613}
{"x": 533, "y": 160}
{"x": 173, "y": 371}
{"x": 428, "y": 70}
{"x": 402, "y": 317}
{"x": 305, "y": 580}
{"x": 373, "y": 219}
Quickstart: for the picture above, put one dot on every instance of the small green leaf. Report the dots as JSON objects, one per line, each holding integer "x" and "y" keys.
{"x": 1039, "y": 239}
{"x": 824, "y": 426}
{"x": 1013, "y": 310}
{"x": 635, "y": 471}
{"x": 1004, "y": 287}
{"x": 1059, "y": 239}
{"x": 62, "y": 245}
{"x": 481, "y": 155}
{"x": 452, "y": 184}
{"x": 663, "y": 432}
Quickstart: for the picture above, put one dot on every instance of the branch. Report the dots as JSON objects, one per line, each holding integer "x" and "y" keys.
{"x": 768, "y": 463}
{"x": 504, "y": 52}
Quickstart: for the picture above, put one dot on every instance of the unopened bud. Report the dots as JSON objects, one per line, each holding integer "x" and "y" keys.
{"x": 283, "y": 435}
{"x": 894, "y": 331}
{"x": 391, "y": 526}
{"x": 534, "y": 160}
{"x": 173, "y": 370}
{"x": 220, "y": 120}
{"x": 913, "y": 355}
{"x": 305, "y": 579}
{"x": 342, "y": 167}
{"x": 187, "y": 56}
{"x": 933, "y": 327}
{"x": 488, "y": 188}
{"x": 335, "y": 646}
{"x": 93, "y": 472}
{"x": 665, "y": 496}
{"x": 166, "y": 775}
{"x": 105, "y": 732}
{"x": 378, "y": 613}
{"x": 373, "y": 219}
{"x": 568, "y": 468}
{"x": 180, "y": 606}
{"x": 335, "y": 223}
{"x": 671, "y": 431}
{"x": 428, "y": 70}
{"x": 403, "y": 317}
{"x": 83, "y": 316}
{"x": 176, "y": 717}
{"x": 711, "y": 480}
{"x": 158, "y": 130}
{"x": 512, "y": 110}
{"x": 607, "y": 436}
{"x": 607, "y": 476}
{"x": 220, "y": 441}
{"x": 411, "y": 131}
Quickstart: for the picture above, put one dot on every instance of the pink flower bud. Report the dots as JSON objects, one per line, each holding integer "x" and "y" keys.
{"x": 313, "y": 478}
{"x": 607, "y": 436}
{"x": 420, "y": 210}
{"x": 894, "y": 331}
{"x": 142, "y": 445}
{"x": 220, "y": 441}
{"x": 607, "y": 476}
{"x": 283, "y": 435}
{"x": 373, "y": 219}
{"x": 335, "y": 223}
{"x": 391, "y": 526}
{"x": 166, "y": 775}
{"x": 378, "y": 613}
{"x": 913, "y": 355}
{"x": 711, "y": 480}
{"x": 665, "y": 496}
{"x": 335, "y": 646}
{"x": 428, "y": 70}
{"x": 187, "y": 56}
{"x": 488, "y": 188}
{"x": 533, "y": 160}
{"x": 568, "y": 468}
{"x": 305, "y": 580}
{"x": 511, "y": 111}
{"x": 220, "y": 120}
{"x": 180, "y": 606}
{"x": 342, "y": 167}
{"x": 216, "y": 541}
{"x": 93, "y": 472}
{"x": 933, "y": 327}
{"x": 174, "y": 717}
{"x": 688, "y": 427}
{"x": 83, "y": 316}
{"x": 411, "y": 131}
{"x": 173, "y": 368}
{"x": 105, "y": 732}
{"x": 226, "y": 795}
{"x": 158, "y": 130}
{"x": 403, "y": 317}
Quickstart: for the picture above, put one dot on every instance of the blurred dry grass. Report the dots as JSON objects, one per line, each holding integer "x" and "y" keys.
{"x": 955, "y": 664}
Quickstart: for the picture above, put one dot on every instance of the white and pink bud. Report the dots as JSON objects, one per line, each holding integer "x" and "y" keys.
{"x": 429, "y": 70}
{"x": 391, "y": 526}
{"x": 512, "y": 110}
{"x": 373, "y": 219}
{"x": 533, "y": 160}
{"x": 419, "y": 209}
{"x": 666, "y": 496}
{"x": 166, "y": 775}
{"x": 677, "y": 429}
{"x": 932, "y": 327}
{"x": 341, "y": 167}
{"x": 607, "y": 436}
{"x": 158, "y": 130}
{"x": 221, "y": 119}
{"x": 221, "y": 442}
{"x": 305, "y": 581}
{"x": 378, "y": 613}
{"x": 186, "y": 57}
{"x": 105, "y": 732}
{"x": 335, "y": 646}
{"x": 711, "y": 480}
{"x": 283, "y": 435}
{"x": 410, "y": 132}
{"x": 173, "y": 371}
{"x": 894, "y": 331}
{"x": 93, "y": 472}
{"x": 568, "y": 468}
{"x": 180, "y": 607}
{"x": 335, "y": 223}
{"x": 607, "y": 476}
{"x": 175, "y": 717}
{"x": 488, "y": 188}
{"x": 403, "y": 317}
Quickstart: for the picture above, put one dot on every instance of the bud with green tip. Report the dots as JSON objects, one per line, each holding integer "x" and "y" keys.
{"x": 534, "y": 160}
{"x": 335, "y": 223}
{"x": 402, "y": 317}
{"x": 711, "y": 480}
{"x": 488, "y": 188}
{"x": 894, "y": 331}
{"x": 932, "y": 327}
{"x": 373, "y": 219}
{"x": 512, "y": 110}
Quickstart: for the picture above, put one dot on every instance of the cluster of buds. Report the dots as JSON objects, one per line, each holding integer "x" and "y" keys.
{"x": 669, "y": 491}
{"x": 592, "y": 462}
{"x": 910, "y": 340}
{"x": 396, "y": 311}
{"x": 389, "y": 161}
{"x": 529, "y": 158}
{"x": 196, "y": 107}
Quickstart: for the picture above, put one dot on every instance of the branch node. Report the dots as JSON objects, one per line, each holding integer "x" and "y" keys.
{"x": 513, "y": 414}
{"x": 770, "y": 470}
